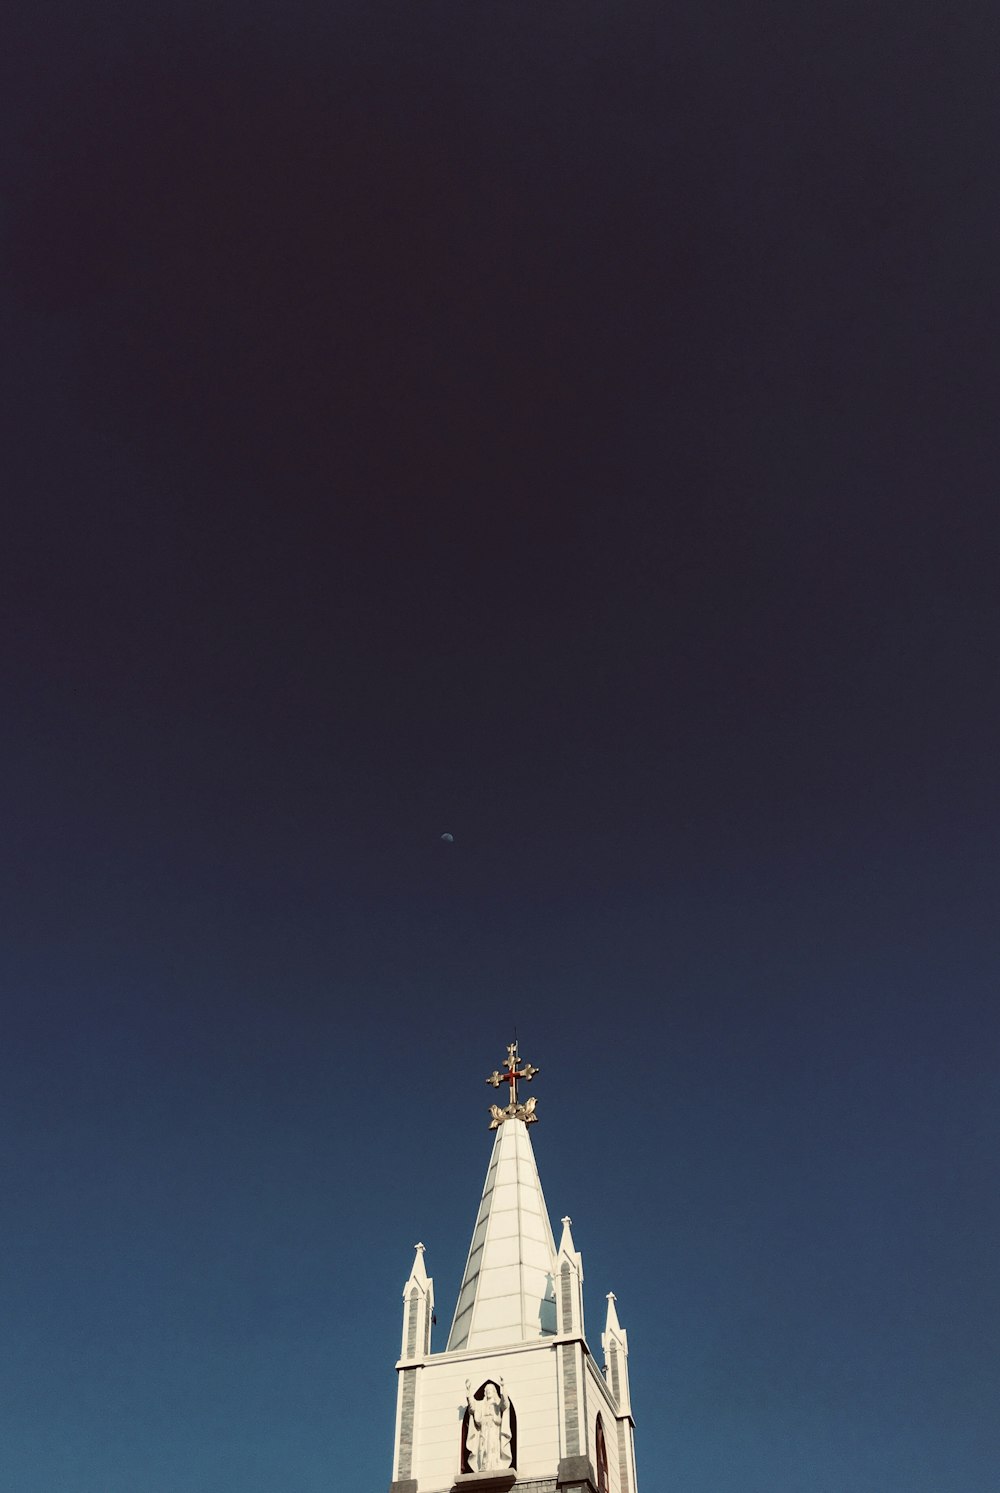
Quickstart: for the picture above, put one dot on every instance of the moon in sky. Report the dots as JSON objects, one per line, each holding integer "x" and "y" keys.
{"x": 450, "y": 838}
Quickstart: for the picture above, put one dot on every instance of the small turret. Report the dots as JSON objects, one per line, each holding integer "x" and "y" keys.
{"x": 614, "y": 1341}
{"x": 418, "y": 1309}
{"x": 569, "y": 1284}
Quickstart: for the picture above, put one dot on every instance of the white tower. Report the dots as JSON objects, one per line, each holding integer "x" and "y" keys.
{"x": 516, "y": 1399}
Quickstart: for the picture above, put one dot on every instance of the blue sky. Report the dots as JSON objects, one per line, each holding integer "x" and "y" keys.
{"x": 571, "y": 430}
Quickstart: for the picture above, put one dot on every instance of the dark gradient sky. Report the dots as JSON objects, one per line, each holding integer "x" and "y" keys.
{"x": 573, "y": 427}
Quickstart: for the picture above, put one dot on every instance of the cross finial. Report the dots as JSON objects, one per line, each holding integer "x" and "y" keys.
{"x": 510, "y": 1075}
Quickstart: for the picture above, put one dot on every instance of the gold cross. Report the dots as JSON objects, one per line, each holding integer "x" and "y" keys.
{"x": 510, "y": 1075}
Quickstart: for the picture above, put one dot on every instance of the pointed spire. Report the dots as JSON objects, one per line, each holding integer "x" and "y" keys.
{"x": 612, "y": 1321}
{"x": 614, "y": 1341}
{"x": 419, "y": 1270}
{"x": 418, "y": 1308}
{"x": 569, "y": 1278}
{"x": 507, "y": 1294}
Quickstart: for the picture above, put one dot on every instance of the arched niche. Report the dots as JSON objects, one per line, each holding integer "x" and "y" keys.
{"x": 489, "y": 1430}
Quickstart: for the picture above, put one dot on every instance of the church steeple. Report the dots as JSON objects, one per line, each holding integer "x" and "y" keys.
{"x": 507, "y": 1293}
{"x": 516, "y": 1395}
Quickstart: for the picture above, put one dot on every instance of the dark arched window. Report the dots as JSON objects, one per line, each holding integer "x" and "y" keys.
{"x": 601, "y": 1453}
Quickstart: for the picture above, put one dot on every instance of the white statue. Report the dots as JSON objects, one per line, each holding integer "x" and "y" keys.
{"x": 487, "y": 1439}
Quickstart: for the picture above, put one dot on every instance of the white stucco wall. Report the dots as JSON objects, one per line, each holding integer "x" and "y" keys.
{"x": 599, "y": 1402}
{"x": 529, "y": 1375}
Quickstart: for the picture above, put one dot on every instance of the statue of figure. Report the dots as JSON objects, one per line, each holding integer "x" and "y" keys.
{"x": 487, "y": 1440}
